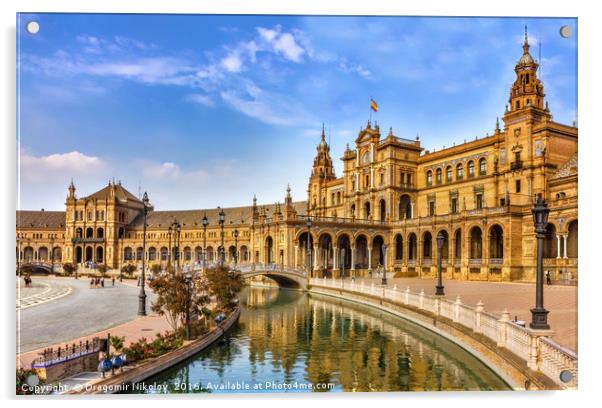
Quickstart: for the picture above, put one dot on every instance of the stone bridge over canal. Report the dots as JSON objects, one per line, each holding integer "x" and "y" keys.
{"x": 285, "y": 276}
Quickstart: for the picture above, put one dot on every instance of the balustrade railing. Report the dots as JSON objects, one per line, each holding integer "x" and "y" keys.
{"x": 55, "y": 355}
{"x": 541, "y": 353}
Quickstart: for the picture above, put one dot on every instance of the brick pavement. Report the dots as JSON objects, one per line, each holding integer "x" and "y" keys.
{"x": 146, "y": 326}
{"x": 517, "y": 298}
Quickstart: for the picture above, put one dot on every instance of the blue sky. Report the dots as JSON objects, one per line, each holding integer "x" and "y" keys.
{"x": 204, "y": 111}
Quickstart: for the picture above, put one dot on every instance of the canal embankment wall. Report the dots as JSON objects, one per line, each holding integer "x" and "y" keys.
{"x": 443, "y": 318}
{"x": 139, "y": 373}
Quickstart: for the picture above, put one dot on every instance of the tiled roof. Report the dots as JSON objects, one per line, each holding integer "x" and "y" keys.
{"x": 193, "y": 218}
{"x": 567, "y": 169}
{"x": 120, "y": 193}
{"x": 41, "y": 219}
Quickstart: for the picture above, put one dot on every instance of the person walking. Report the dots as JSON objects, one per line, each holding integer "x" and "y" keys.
{"x": 102, "y": 282}
{"x": 113, "y": 281}
{"x": 91, "y": 283}
{"x": 548, "y": 278}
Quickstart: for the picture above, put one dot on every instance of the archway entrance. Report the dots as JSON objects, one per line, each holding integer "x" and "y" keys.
{"x": 269, "y": 248}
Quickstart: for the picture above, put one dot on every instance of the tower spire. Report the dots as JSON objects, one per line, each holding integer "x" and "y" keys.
{"x": 526, "y": 42}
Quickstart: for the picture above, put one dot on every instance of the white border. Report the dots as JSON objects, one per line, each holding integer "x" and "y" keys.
{"x": 590, "y": 70}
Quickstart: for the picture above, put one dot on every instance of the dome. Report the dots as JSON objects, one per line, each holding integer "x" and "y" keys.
{"x": 526, "y": 59}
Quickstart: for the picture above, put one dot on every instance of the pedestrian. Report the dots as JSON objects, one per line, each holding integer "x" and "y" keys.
{"x": 97, "y": 281}
{"x": 548, "y": 278}
{"x": 113, "y": 281}
{"x": 102, "y": 282}
{"x": 91, "y": 283}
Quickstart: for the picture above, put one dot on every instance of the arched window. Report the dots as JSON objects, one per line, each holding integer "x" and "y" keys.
{"x": 476, "y": 243}
{"x": 100, "y": 233}
{"x": 496, "y": 242}
{"x": 471, "y": 169}
{"x": 427, "y": 245}
{"x": 429, "y": 178}
{"x": 572, "y": 242}
{"x": 517, "y": 105}
{"x": 448, "y": 174}
{"x": 438, "y": 176}
{"x": 405, "y": 207}
{"x": 459, "y": 172}
{"x": 458, "y": 245}
{"x": 89, "y": 232}
{"x": 482, "y": 167}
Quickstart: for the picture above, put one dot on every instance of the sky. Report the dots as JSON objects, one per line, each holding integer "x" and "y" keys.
{"x": 203, "y": 110}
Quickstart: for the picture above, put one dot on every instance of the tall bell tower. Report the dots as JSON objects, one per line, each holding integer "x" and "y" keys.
{"x": 322, "y": 172}
{"x": 527, "y": 90}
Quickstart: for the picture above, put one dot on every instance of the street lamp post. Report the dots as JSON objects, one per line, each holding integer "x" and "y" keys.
{"x": 222, "y": 220}
{"x": 235, "y": 247}
{"x": 205, "y": 224}
{"x": 178, "y": 229}
{"x": 309, "y": 264}
{"x": 188, "y": 281}
{"x": 384, "y": 249}
{"x": 120, "y": 263}
{"x": 439, "y": 288}
{"x": 169, "y": 232}
{"x": 539, "y": 315}
{"x": 142, "y": 295}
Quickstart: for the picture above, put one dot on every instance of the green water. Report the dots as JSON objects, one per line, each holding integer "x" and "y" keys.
{"x": 289, "y": 341}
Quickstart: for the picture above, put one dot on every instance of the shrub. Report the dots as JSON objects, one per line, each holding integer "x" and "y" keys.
{"x": 163, "y": 343}
{"x": 22, "y": 376}
{"x": 128, "y": 269}
{"x": 69, "y": 268}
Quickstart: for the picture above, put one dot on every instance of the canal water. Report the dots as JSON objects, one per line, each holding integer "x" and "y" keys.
{"x": 290, "y": 341}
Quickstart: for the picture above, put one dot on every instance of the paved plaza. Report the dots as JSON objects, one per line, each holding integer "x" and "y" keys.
{"x": 82, "y": 312}
{"x": 517, "y": 298}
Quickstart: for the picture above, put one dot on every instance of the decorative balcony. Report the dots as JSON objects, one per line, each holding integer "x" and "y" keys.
{"x": 475, "y": 261}
{"x": 516, "y": 165}
{"x": 496, "y": 261}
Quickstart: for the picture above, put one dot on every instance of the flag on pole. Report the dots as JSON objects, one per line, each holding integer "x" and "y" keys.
{"x": 373, "y": 105}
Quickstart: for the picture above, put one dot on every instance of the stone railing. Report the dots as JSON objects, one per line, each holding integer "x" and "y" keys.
{"x": 540, "y": 353}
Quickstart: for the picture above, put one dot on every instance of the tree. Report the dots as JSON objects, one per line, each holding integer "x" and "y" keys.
{"x": 69, "y": 268}
{"x": 223, "y": 284}
{"x": 172, "y": 298}
{"x": 156, "y": 269}
{"x": 102, "y": 268}
{"x": 128, "y": 269}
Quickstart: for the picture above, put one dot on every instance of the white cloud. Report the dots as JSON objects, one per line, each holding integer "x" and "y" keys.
{"x": 201, "y": 99}
{"x": 352, "y": 67}
{"x": 33, "y": 168}
{"x": 172, "y": 171}
{"x": 232, "y": 62}
{"x": 269, "y": 107}
{"x": 282, "y": 43}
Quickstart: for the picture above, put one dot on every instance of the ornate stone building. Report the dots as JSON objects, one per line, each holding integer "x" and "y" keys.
{"x": 392, "y": 194}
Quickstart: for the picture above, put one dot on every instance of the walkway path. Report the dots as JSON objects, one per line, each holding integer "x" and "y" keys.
{"x": 40, "y": 292}
{"x": 147, "y": 326}
{"x": 84, "y": 312}
{"x": 517, "y": 298}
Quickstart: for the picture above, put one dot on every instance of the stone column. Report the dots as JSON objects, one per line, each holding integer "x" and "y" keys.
{"x": 296, "y": 255}
{"x": 411, "y": 210}
{"x": 335, "y": 254}
{"x": 353, "y": 259}
{"x": 566, "y": 237}
{"x": 369, "y": 258}
{"x": 316, "y": 249}
{"x": 558, "y": 239}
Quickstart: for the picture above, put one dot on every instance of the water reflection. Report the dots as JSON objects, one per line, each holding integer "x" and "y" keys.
{"x": 295, "y": 342}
